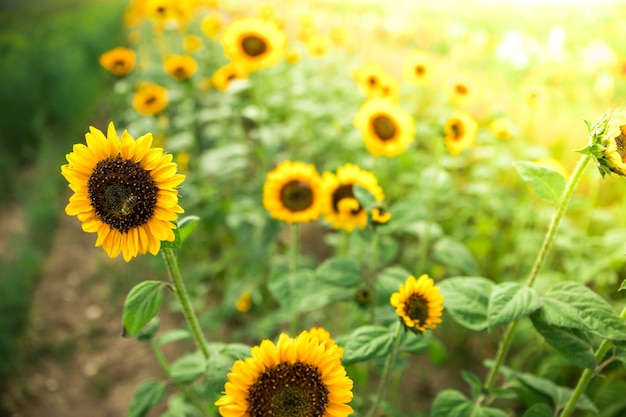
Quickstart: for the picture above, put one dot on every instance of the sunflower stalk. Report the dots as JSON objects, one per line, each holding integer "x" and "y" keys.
{"x": 294, "y": 240}
{"x": 507, "y": 339}
{"x": 371, "y": 282}
{"x": 183, "y": 298}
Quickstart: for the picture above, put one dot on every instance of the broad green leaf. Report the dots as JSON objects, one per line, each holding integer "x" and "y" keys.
{"x": 571, "y": 304}
{"x": 142, "y": 304}
{"x": 366, "y": 342}
{"x": 224, "y": 161}
{"x": 173, "y": 336}
{"x": 455, "y": 256}
{"x": 545, "y": 182}
{"x": 509, "y": 302}
{"x": 186, "y": 225}
{"x": 539, "y": 410}
{"x": 623, "y": 286}
{"x": 475, "y": 383}
{"x": 467, "y": 300}
{"x": 188, "y": 367}
{"x": 365, "y": 197}
{"x": 174, "y": 244}
{"x": 569, "y": 343}
{"x": 620, "y": 352}
{"x": 559, "y": 395}
{"x": 148, "y": 394}
{"x": 453, "y": 403}
{"x": 415, "y": 343}
{"x": 341, "y": 272}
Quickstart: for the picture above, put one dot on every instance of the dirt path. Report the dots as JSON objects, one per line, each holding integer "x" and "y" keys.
{"x": 79, "y": 363}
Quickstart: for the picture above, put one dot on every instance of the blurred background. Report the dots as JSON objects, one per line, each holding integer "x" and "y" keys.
{"x": 544, "y": 65}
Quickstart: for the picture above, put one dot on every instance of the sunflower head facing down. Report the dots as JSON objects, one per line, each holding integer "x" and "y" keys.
{"x": 150, "y": 99}
{"x": 295, "y": 377}
{"x": 607, "y": 143}
{"x": 418, "y": 303}
{"x": 180, "y": 67}
{"x": 124, "y": 190}
{"x": 293, "y": 192}
{"x": 256, "y": 42}
{"x": 386, "y": 128}
{"x": 460, "y": 132}
{"x": 342, "y": 209}
{"x": 118, "y": 61}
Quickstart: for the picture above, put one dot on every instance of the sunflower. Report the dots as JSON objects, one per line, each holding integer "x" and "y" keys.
{"x": 296, "y": 377}
{"x": 244, "y": 304}
{"x": 181, "y": 67}
{"x": 224, "y": 75}
{"x": 460, "y": 132}
{"x": 339, "y": 35}
{"x": 342, "y": 209}
{"x": 417, "y": 67}
{"x": 461, "y": 89}
{"x": 211, "y": 25}
{"x": 610, "y": 137}
{"x": 317, "y": 46}
{"x": 150, "y": 99}
{"x": 192, "y": 43}
{"x": 293, "y": 192}
{"x": 256, "y": 42}
{"x": 118, "y": 61}
{"x": 169, "y": 13}
{"x": 501, "y": 128}
{"x": 293, "y": 56}
{"x": 380, "y": 216}
{"x": 418, "y": 303}
{"x": 385, "y": 127}
{"x": 124, "y": 190}
{"x": 535, "y": 96}
{"x": 368, "y": 78}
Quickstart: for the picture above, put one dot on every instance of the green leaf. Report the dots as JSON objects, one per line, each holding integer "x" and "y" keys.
{"x": 455, "y": 256}
{"x": 341, "y": 272}
{"x": 571, "y": 344}
{"x": 366, "y": 342}
{"x": 539, "y": 410}
{"x": 187, "y": 368}
{"x": 453, "y": 403}
{"x": 545, "y": 182}
{"x": 148, "y": 394}
{"x": 559, "y": 395}
{"x": 467, "y": 300}
{"x": 186, "y": 225}
{"x": 365, "y": 197}
{"x": 173, "y": 336}
{"x": 142, "y": 304}
{"x": 415, "y": 343}
{"x": 174, "y": 244}
{"x": 475, "y": 383}
{"x": 623, "y": 286}
{"x": 573, "y": 305}
{"x": 510, "y": 302}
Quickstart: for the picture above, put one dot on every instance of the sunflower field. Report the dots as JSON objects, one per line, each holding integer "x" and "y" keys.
{"x": 322, "y": 208}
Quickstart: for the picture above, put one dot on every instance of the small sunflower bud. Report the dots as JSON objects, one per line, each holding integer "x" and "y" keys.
{"x": 607, "y": 142}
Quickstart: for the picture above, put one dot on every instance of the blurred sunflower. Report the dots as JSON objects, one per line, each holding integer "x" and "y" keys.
{"x": 417, "y": 67}
{"x": 461, "y": 90}
{"x": 192, "y": 43}
{"x": 118, "y": 61}
{"x": 293, "y": 192}
{"x": 368, "y": 78}
{"x": 339, "y": 35}
{"x": 501, "y": 128}
{"x": 385, "y": 127}
{"x": 224, "y": 75}
{"x": 255, "y": 42}
{"x": 169, "y": 14}
{"x": 608, "y": 142}
{"x": 380, "y": 216}
{"x": 211, "y": 25}
{"x": 418, "y": 303}
{"x": 296, "y": 377}
{"x": 342, "y": 209}
{"x": 293, "y": 56}
{"x": 150, "y": 99}
{"x": 535, "y": 96}
{"x": 244, "y": 304}
{"x": 317, "y": 46}
{"x": 460, "y": 132}
{"x": 181, "y": 67}
{"x": 124, "y": 190}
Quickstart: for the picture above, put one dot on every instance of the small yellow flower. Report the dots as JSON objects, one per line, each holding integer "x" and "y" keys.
{"x": 293, "y": 56}
{"x": 244, "y": 304}
{"x": 535, "y": 96}
{"x": 501, "y": 128}
{"x": 418, "y": 303}
{"x": 607, "y": 144}
{"x": 223, "y": 77}
{"x": 150, "y": 99}
{"x": 460, "y": 132}
{"x": 119, "y": 61}
{"x": 181, "y": 67}
{"x": 255, "y": 42}
{"x": 182, "y": 160}
{"x": 380, "y": 216}
{"x": 417, "y": 68}
{"x": 317, "y": 46}
{"x": 461, "y": 90}
{"x": 339, "y": 35}
{"x": 192, "y": 43}
{"x": 368, "y": 78}
{"x": 211, "y": 25}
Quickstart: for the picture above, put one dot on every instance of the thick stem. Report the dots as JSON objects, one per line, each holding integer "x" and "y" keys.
{"x": 388, "y": 364}
{"x": 294, "y": 240}
{"x": 183, "y": 298}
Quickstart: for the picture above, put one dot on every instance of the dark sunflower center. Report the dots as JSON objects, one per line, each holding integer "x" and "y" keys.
{"x": 384, "y": 127}
{"x": 122, "y": 193}
{"x": 457, "y": 130}
{"x": 461, "y": 89}
{"x": 620, "y": 141}
{"x": 372, "y": 80}
{"x": 296, "y": 195}
{"x": 343, "y": 191}
{"x": 119, "y": 63}
{"x": 416, "y": 308}
{"x": 150, "y": 99}
{"x": 253, "y": 45}
{"x": 420, "y": 70}
{"x": 288, "y": 390}
{"x": 180, "y": 72}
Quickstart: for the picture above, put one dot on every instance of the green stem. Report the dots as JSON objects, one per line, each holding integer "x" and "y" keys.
{"x": 388, "y": 364}
{"x": 505, "y": 344}
{"x": 371, "y": 282}
{"x": 588, "y": 374}
{"x": 183, "y": 298}
{"x": 294, "y": 238}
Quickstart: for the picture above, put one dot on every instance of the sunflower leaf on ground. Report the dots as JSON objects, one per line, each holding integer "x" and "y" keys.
{"x": 148, "y": 394}
{"x": 509, "y": 302}
{"x": 545, "y": 182}
{"x": 467, "y": 300}
{"x": 142, "y": 305}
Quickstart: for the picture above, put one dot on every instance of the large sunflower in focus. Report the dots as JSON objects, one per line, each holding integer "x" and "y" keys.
{"x": 124, "y": 190}
{"x": 460, "y": 132}
{"x": 385, "y": 127}
{"x": 342, "y": 209}
{"x": 255, "y": 42}
{"x": 418, "y": 303}
{"x": 293, "y": 192}
{"x": 301, "y": 377}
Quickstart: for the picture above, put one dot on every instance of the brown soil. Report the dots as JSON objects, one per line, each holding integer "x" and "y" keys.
{"x": 79, "y": 364}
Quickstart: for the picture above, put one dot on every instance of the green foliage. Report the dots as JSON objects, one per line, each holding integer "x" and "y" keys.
{"x": 367, "y": 342}
{"x": 454, "y": 403}
{"x": 142, "y": 305}
{"x": 547, "y": 183}
{"x": 148, "y": 394}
